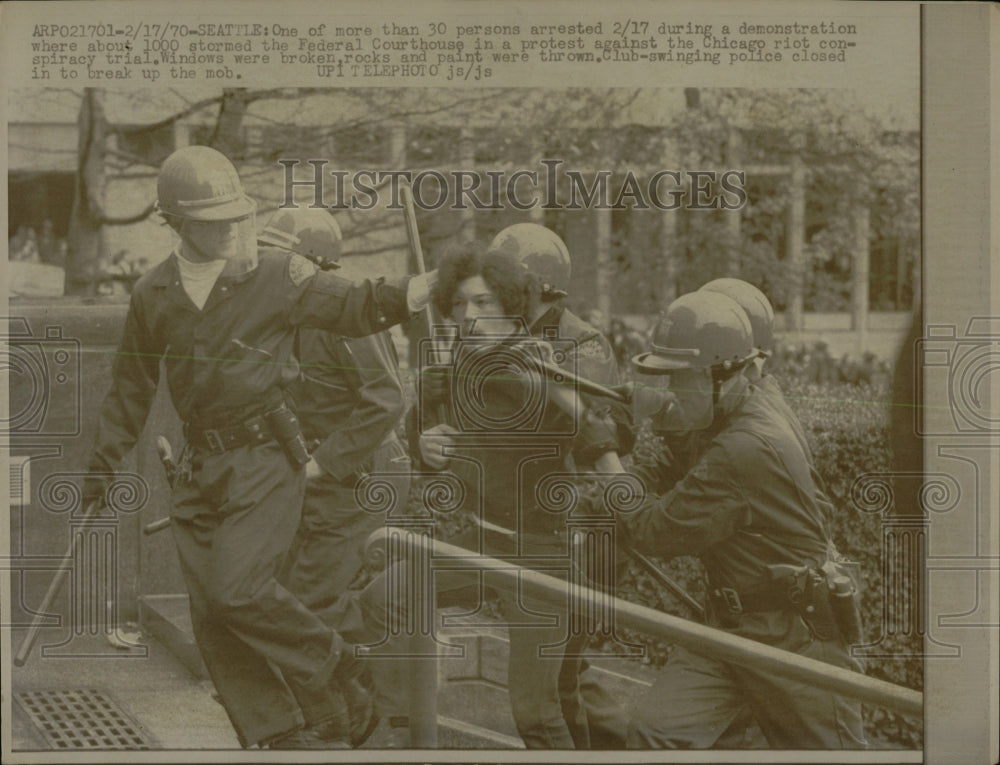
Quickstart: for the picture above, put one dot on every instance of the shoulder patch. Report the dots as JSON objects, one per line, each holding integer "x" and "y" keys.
{"x": 300, "y": 269}
{"x": 591, "y": 349}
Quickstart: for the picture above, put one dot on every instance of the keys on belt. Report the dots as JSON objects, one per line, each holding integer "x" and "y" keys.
{"x": 217, "y": 440}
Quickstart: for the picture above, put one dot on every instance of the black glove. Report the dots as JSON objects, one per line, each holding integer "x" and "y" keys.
{"x": 435, "y": 383}
{"x": 606, "y": 427}
{"x": 598, "y": 435}
{"x": 621, "y": 415}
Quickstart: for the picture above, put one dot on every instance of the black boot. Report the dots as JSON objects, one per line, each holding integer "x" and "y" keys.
{"x": 347, "y": 675}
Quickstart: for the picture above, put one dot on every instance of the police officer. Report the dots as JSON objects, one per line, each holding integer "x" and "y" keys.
{"x": 760, "y": 312}
{"x": 747, "y": 507}
{"x": 349, "y": 397}
{"x": 221, "y": 317}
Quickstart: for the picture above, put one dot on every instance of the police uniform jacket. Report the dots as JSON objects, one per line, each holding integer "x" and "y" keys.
{"x": 748, "y": 502}
{"x": 349, "y": 397}
{"x": 592, "y": 356}
{"x": 228, "y": 361}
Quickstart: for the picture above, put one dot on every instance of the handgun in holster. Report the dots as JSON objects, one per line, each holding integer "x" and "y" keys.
{"x": 284, "y": 426}
{"x": 825, "y": 599}
{"x": 842, "y": 579}
{"x": 814, "y": 606}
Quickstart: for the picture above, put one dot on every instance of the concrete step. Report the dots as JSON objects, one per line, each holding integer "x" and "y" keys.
{"x": 473, "y": 704}
{"x": 168, "y": 619}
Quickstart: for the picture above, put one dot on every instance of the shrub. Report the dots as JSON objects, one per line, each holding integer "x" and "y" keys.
{"x": 848, "y": 431}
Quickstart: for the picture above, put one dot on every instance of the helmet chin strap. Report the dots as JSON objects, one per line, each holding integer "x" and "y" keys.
{"x": 724, "y": 390}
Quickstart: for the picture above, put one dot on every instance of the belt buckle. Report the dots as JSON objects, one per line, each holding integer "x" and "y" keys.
{"x": 214, "y": 440}
{"x": 732, "y": 599}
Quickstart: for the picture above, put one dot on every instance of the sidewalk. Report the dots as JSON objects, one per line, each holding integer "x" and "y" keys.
{"x": 171, "y": 708}
{"x": 161, "y": 705}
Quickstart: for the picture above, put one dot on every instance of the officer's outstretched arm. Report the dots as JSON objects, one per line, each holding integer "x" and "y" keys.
{"x": 323, "y": 300}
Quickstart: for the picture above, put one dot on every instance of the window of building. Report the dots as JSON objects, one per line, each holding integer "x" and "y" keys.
{"x": 38, "y": 212}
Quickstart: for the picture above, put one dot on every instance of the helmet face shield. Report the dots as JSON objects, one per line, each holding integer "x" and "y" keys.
{"x": 651, "y": 394}
{"x": 233, "y": 240}
{"x": 693, "y": 406}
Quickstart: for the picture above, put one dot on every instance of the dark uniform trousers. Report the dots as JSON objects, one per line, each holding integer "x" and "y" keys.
{"x": 328, "y": 554}
{"x": 698, "y": 702}
{"x": 233, "y": 523}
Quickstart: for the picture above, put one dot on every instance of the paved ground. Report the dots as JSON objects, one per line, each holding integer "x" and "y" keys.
{"x": 174, "y": 710}
{"x": 170, "y": 706}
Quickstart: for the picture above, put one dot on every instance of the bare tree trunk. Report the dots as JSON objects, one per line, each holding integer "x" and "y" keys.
{"x": 734, "y": 218}
{"x": 228, "y": 134}
{"x": 86, "y": 241}
{"x": 666, "y": 290}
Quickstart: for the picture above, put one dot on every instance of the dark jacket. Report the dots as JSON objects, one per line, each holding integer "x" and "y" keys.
{"x": 509, "y": 474}
{"x": 749, "y": 501}
{"x": 593, "y": 357}
{"x": 230, "y": 360}
{"x": 349, "y": 397}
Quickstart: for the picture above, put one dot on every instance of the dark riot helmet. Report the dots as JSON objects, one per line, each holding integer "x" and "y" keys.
{"x": 700, "y": 330}
{"x": 306, "y": 231}
{"x": 541, "y": 252}
{"x": 758, "y": 308}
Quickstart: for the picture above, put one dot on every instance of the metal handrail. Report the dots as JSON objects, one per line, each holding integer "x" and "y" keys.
{"x": 697, "y": 638}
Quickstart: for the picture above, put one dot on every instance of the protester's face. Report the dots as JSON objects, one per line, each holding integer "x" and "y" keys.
{"x": 218, "y": 240}
{"x": 477, "y": 311}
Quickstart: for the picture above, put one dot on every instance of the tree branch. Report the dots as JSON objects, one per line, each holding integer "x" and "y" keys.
{"x": 106, "y": 221}
{"x": 186, "y": 112}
